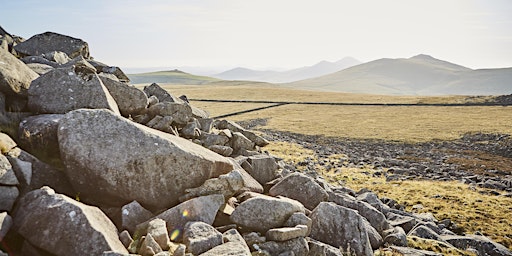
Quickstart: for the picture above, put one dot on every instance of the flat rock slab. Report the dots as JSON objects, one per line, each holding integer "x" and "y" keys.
{"x": 112, "y": 160}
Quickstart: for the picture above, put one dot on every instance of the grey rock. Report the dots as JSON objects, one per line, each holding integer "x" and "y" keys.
{"x": 15, "y": 76}
{"x": 264, "y": 212}
{"x": 374, "y": 201}
{"x": 425, "y": 232}
{"x": 228, "y": 249}
{"x": 81, "y": 66}
{"x": 112, "y": 70}
{"x": 152, "y": 167}
{"x": 67, "y": 226}
{"x": 214, "y": 139}
{"x": 161, "y": 94}
{"x": 405, "y": 222}
{"x": 221, "y": 150}
{"x": 39, "y": 60}
{"x": 253, "y": 238}
{"x": 299, "y": 218}
{"x": 413, "y": 252}
{"x": 7, "y": 176}
{"x": 206, "y": 124}
{"x": 130, "y": 100}
{"x": 262, "y": 167}
{"x": 225, "y": 124}
{"x": 232, "y": 235}
{"x": 191, "y": 130}
{"x": 202, "y": 209}
{"x": 482, "y": 244}
{"x": 227, "y": 184}
{"x": 284, "y": 234}
{"x": 49, "y": 41}
{"x": 300, "y": 187}
{"x": 57, "y": 56}
{"x": 298, "y": 246}
{"x": 40, "y": 68}
{"x": 374, "y": 216}
{"x": 397, "y": 237}
{"x": 39, "y": 134}
{"x": 133, "y": 214}
{"x": 6, "y": 143}
{"x": 149, "y": 246}
{"x": 158, "y": 230}
{"x": 317, "y": 248}
{"x": 375, "y": 238}
{"x": 340, "y": 227}
{"x": 5, "y": 224}
{"x": 8, "y": 196}
{"x": 180, "y": 112}
{"x": 62, "y": 90}
{"x": 240, "y": 142}
{"x": 200, "y": 237}
{"x": 125, "y": 238}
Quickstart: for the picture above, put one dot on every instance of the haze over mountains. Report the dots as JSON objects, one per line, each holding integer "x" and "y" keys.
{"x": 418, "y": 75}
{"x": 271, "y": 76}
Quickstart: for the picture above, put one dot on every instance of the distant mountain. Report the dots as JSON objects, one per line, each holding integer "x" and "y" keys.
{"x": 319, "y": 69}
{"x": 170, "y": 77}
{"x": 418, "y": 75}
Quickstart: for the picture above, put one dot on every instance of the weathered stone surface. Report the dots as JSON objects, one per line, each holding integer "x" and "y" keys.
{"x": 298, "y": 246}
{"x": 202, "y": 209}
{"x": 200, "y": 237}
{"x": 130, "y": 100}
{"x": 340, "y": 227}
{"x": 39, "y": 60}
{"x": 149, "y": 246}
{"x": 226, "y": 184}
{"x": 375, "y": 238}
{"x": 221, "y": 150}
{"x": 300, "y": 187}
{"x": 225, "y": 124}
{"x": 482, "y": 244}
{"x": 6, "y": 143}
{"x": 49, "y": 41}
{"x": 161, "y": 94}
{"x": 397, "y": 237}
{"x": 115, "y": 71}
{"x": 67, "y": 226}
{"x": 299, "y": 218}
{"x": 405, "y": 222}
{"x": 57, "y": 56}
{"x": 8, "y": 195}
{"x": 232, "y": 235}
{"x": 214, "y": 139}
{"x": 228, "y": 249}
{"x": 7, "y": 176}
{"x": 39, "y": 68}
{"x": 15, "y": 76}
{"x": 158, "y": 231}
{"x": 284, "y": 234}
{"x": 412, "y": 251}
{"x": 180, "y": 112}
{"x": 125, "y": 238}
{"x": 424, "y": 232}
{"x": 191, "y": 130}
{"x": 5, "y": 224}
{"x": 39, "y": 134}
{"x": 374, "y": 216}
{"x": 239, "y": 142}
{"x": 262, "y": 167}
{"x": 317, "y": 248}
{"x": 133, "y": 214}
{"x": 64, "y": 89}
{"x": 264, "y": 212}
{"x": 113, "y": 160}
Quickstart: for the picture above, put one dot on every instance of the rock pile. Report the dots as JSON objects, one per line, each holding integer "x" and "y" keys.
{"x": 144, "y": 172}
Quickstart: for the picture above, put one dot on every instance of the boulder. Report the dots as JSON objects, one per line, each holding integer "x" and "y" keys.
{"x": 113, "y": 160}
{"x": 405, "y": 222}
{"x": 423, "y": 231}
{"x": 64, "y": 89}
{"x": 149, "y": 246}
{"x": 262, "y": 167}
{"x": 375, "y": 238}
{"x": 8, "y": 195}
{"x": 221, "y": 150}
{"x": 317, "y": 248}
{"x": 226, "y": 184}
{"x": 125, "y": 238}
{"x": 240, "y": 143}
{"x": 130, "y": 100}
{"x": 57, "y": 57}
{"x": 49, "y": 41}
{"x": 209, "y": 140}
{"x": 411, "y": 251}
{"x": 340, "y": 227}
{"x": 285, "y": 234}
{"x": 39, "y": 68}
{"x": 39, "y": 60}
{"x": 482, "y": 244}
{"x": 7, "y": 176}
{"x": 38, "y": 134}
{"x": 133, "y": 214}
{"x": 6, "y": 143}
{"x": 396, "y": 237}
{"x": 202, "y": 209}
{"x": 225, "y": 124}
{"x": 264, "y": 212}
{"x": 15, "y": 76}
{"x": 297, "y": 247}
{"x": 158, "y": 230}
{"x": 112, "y": 70}
{"x": 191, "y": 130}
{"x": 302, "y": 188}
{"x": 67, "y": 227}
{"x": 5, "y": 224}
{"x": 299, "y": 218}
{"x": 180, "y": 112}
{"x": 200, "y": 237}
{"x": 161, "y": 94}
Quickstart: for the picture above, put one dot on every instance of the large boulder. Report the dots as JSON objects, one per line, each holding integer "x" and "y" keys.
{"x": 200, "y": 237}
{"x": 133, "y": 214}
{"x": 130, "y": 100}
{"x": 64, "y": 89}
{"x": 262, "y": 167}
{"x": 38, "y": 134}
{"x": 302, "y": 188}
{"x": 15, "y": 76}
{"x": 112, "y": 160}
{"x": 49, "y": 41}
{"x": 262, "y": 213}
{"x": 482, "y": 244}
{"x": 340, "y": 227}
{"x": 66, "y": 227}
{"x": 234, "y": 244}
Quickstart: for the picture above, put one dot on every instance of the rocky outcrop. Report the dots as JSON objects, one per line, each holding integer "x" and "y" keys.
{"x": 66, "y": 226}
{"x": 112, "y": 160}
{"x": 49, "y": 42}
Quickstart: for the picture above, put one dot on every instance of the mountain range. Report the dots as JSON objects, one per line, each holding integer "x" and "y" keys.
{"x": 271, "y": 76}
{"x": 418, "y": 75}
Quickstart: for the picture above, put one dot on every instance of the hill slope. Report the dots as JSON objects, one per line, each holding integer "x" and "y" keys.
{"x": 170, "y": 77}
{"x": 319, "y": 69}
{"x": 421, "y": 74}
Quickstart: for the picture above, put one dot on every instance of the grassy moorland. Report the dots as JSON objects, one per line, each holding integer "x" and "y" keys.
{"x": 471, "y": 208}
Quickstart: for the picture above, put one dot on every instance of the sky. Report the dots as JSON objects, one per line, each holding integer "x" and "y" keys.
{"x": 265, "y": 34}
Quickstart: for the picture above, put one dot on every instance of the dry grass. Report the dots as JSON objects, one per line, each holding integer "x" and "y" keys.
{"x": 410, "y": 124}
{"x": 223, "y": 108}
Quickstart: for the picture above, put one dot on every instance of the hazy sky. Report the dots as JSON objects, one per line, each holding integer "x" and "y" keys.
{"x": 272, "y": 33}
